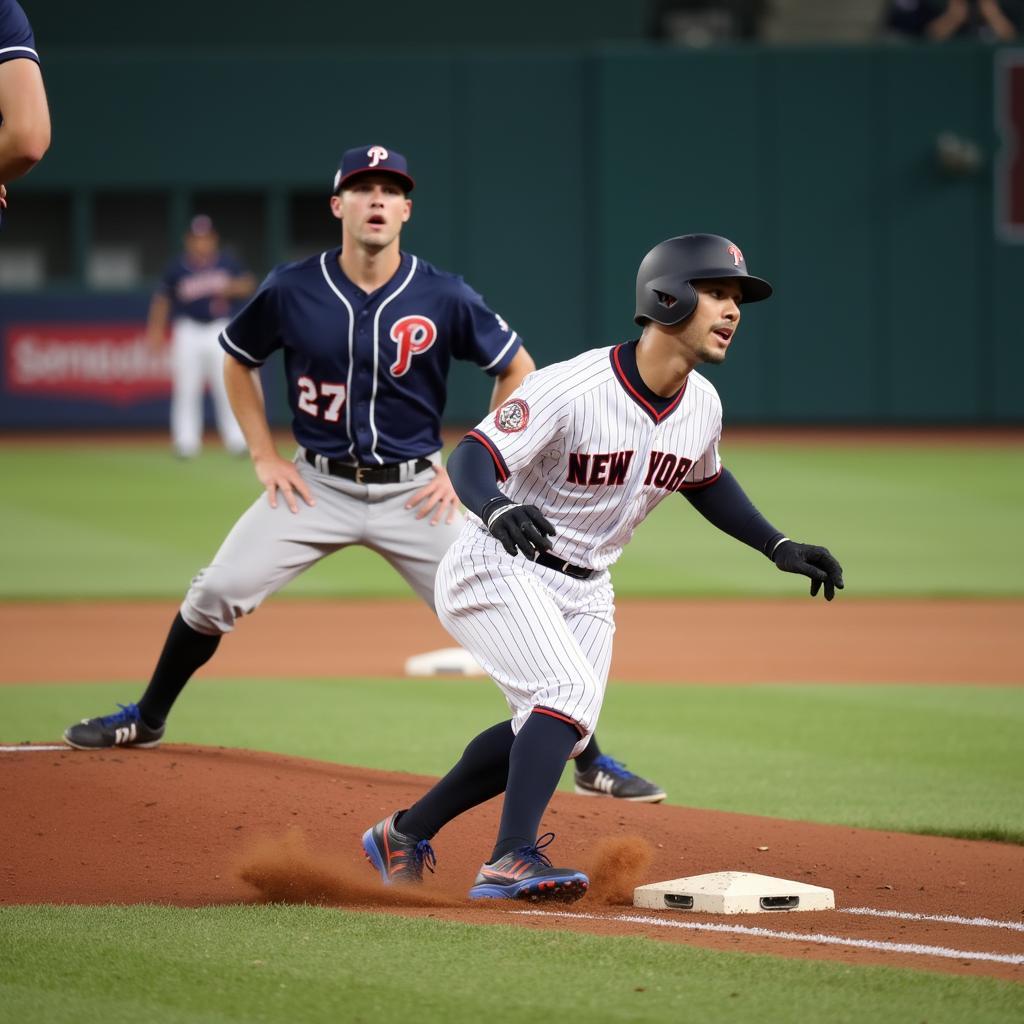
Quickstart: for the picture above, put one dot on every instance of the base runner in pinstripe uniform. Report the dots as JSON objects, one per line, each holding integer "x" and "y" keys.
{"x": 562, "y": 473}
{"x": 368, "y": 333}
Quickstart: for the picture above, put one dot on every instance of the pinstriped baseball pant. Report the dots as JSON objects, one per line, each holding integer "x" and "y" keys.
{"x": 543, "y": 637}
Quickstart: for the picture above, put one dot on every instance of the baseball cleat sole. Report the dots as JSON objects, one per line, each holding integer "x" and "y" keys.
{"x": 652, "y": 798}
{"x": 113, "y": 746}
{"x": 546, "y": 890}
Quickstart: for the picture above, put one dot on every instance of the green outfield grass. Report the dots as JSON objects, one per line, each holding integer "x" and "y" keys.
{"x": 309, "y": 964}
{"x": 916, "y": 519}
{"x": 908, "y": 758}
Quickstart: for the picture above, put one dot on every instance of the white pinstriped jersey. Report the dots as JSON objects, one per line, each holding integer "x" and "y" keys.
{"x": 583, "y": 443}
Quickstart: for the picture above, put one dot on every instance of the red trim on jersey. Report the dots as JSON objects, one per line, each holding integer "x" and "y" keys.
{"x": 562, "y": 718}
{"x": 495, "y": 454}
{"x": 684, "y": 486}
{"x": 637, "y": 397}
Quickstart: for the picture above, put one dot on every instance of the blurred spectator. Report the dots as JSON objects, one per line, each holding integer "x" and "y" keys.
{"x": 703, "y": 22}
{"x": 24, "y": 114}
{"x": 201, "y": 290}
{"x": 938, "y": 20}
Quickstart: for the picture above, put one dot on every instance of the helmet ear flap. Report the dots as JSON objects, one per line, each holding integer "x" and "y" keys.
{"x": 665, "y": 300}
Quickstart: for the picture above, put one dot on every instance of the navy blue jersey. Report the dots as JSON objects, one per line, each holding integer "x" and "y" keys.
{"x": 16, "y": 38}
{"x": 195, "y": 292}
{"x": 367, "y": 374}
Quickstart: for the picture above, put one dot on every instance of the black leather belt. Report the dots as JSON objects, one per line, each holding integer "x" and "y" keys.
{"x": 577, "y": 572}
{"x": 364, "y": 474}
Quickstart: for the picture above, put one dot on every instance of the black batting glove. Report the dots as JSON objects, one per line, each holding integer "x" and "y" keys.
{"x": 520, "y": 528}
{"x": 812, "y": 561}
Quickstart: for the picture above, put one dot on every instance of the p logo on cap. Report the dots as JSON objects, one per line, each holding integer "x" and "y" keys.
{"x": 376, "y": 159}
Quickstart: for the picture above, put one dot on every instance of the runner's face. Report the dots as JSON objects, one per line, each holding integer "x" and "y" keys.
{"x": 709, "y": 330}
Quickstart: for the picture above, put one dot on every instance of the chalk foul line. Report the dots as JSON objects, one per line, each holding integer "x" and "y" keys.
{"x": 905, "y": 915}
{"x": 767, "y": 933}
{"x": 26, "y": 749}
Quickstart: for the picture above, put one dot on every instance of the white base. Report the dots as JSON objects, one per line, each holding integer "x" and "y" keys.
{"x": 450, "y": 661}
{"x": 733, "y": 892}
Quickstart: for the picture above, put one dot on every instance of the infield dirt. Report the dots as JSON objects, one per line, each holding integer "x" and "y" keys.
{"x": 800, "y": 640}
{"x": 194, "y": 826}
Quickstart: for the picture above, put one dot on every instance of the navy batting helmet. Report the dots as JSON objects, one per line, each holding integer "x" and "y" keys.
{"x": 663, "y": 289}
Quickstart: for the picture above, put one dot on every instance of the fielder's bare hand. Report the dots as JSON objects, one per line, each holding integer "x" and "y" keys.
{"x": 819, "y": 564}
{"x": 277, "y": 474}
{"x": 438, "y": 497}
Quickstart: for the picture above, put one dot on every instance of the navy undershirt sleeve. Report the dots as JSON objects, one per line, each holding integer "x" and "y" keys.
{"x": 474, "y": 476}
{"x": 725, "y": 505}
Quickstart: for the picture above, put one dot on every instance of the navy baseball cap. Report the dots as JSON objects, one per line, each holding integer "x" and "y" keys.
{"x": 367, "y": 159}
{"x": 200, "y": 224}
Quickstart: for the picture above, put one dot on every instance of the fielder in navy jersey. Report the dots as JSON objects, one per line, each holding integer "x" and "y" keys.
{"x": 368, "y": 333}
{"x": 24, "y": 114}
{"x": 198, "y": 293}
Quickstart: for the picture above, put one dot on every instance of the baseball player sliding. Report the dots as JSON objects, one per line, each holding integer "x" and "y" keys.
{"x": 368, "y": 334}
{"x": 562, "y": 474}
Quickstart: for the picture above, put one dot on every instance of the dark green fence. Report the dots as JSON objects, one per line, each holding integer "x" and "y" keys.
{"x": 544, "y": 177}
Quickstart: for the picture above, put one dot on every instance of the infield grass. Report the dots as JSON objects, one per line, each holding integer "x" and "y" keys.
{"x": 943, "y": 760}
{"x": 919, "y": 519}
{"x": 309, "y": 964}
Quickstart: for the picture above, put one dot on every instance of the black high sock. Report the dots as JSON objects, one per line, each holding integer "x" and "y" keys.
{"x": 585, "y": 761}
{"x": 480, "y": 774}
{"x": 185, "y": 651}
{"x": 534, "y": 767}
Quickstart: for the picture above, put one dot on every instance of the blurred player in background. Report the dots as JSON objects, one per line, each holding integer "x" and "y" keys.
{"x": 24, "y": 114}
{"x": 200, "y": 292}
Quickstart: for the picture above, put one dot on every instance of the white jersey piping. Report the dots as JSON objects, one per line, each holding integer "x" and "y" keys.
{"x": 351, "y": 328}
{"x": 498, "y": 357}
{"x": 241, "y": 351}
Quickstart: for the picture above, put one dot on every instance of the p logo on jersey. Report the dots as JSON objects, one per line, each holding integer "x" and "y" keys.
{"x": 737, "y": 256}
{"x": 512, "y": 416}
{"x": 412, "y": 335}
{"x": 376, "y": 154}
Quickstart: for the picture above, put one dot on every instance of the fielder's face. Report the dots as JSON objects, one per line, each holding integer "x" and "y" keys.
{"x": 709, "y": 330}
{"x": 372, "y": 210}
{"x": 202, "y": 248}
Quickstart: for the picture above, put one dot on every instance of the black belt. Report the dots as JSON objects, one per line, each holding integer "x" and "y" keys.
{"x": 577, "y": 572}
{"x": 364, "y": 474}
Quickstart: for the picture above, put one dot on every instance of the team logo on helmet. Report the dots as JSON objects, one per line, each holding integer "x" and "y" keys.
{"x": 376, "y": 155}
{"x": 512, "y": 416}
{"x": 737, "y": 256}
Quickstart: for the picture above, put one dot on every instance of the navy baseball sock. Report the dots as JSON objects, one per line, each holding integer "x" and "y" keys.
{"x": 185, "y": 651}
{"x": 534, "y": 767}
{"x": 480, "y": 774}
{"x": 586, "y": 760}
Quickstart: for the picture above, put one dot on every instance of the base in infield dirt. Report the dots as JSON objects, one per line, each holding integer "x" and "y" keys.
{"x": 447, "y": 661}
{"x": 733, "y": 892}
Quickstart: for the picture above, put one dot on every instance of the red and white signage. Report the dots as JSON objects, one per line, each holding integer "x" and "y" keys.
{"x": 108, "y": 362}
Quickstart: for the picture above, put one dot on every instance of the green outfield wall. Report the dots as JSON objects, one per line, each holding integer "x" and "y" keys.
{"x": 544, "y": 176}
